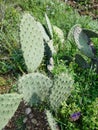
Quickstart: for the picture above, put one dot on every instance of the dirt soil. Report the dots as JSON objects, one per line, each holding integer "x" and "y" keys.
{"x": 32, "y": 119}
{"x": 90, "y": 8}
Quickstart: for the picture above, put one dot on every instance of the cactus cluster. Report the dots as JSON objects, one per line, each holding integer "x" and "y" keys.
{"x": 36, "y": 87}
{"x": 82, "y": 39}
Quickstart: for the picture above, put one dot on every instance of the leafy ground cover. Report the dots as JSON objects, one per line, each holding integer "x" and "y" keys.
{"x": 83, "y": 102}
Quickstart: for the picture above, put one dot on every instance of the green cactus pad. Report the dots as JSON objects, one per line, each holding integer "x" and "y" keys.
{"x": 51, "y": 121}
{"x": 44, "y": 34}
{"x": 31, "y": 40}
{"x": 49, "y": 25}
{"x": 81, "y": 61}
{"x": 35, "y": 87}
{"x": 8, "y": 105}
{"x": 59, "y": 33}
{"x": 71, "y": 32}
{"x": 90, "y": 33}
{"x": 82, "y": 42}
{"x": 61, "y": 89}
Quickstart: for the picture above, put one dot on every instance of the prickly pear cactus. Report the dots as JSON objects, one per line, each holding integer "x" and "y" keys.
{"x": 82, "y": 41}
{"x": 81, "y": 61}
{"x": 44, "y": 34}
{"x": 52, "y": 123}
{"x": 31, "y": 40}
{"x": 8, "y": 105}
{"x": 35, "y": 87}
{"x": 61, "y": 89}
{"x": 50, "y": 45}
{"x": 90, "y": 33}
{"x": 71, "y": 32}
{"x": 59, "y": 33}
{"x": 49, "y": 25}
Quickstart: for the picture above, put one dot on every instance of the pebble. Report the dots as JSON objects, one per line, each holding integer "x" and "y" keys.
{"x": 25, "y": 120}
{"x": 31, "y": 116}
{"x": 27, "y": 111}
{"x": 34, "y": 121}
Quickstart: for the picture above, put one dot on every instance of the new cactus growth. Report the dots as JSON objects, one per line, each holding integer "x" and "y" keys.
{"x": 35, "y": 87}
{"x": 8, "y": 105}
{"x": 50, "y": 42}
{"x": 61, "y": 89}
{"x": 59, "y": 33}
{"x": 82, "y": 42}
{"x": 49, "y": 25}
{"x": 31, "y": 40}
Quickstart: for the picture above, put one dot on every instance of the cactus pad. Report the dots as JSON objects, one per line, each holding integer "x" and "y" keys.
{"x": 59, "y": 33}
{"x": 49, "y": 25}
{"x": 81, "y": 61}
{"x": 8, "y": 105}
{"x": 35, "y": 87}
{"x": 44, "y": 34}
{"x": 31, "y": 40}
{"x": 71, "y": 32}
{"x": 91, "y": 33}
{"x": 61, "y": 89}
{"x": 52, "y": 123}
{"x": 82, "y": 42}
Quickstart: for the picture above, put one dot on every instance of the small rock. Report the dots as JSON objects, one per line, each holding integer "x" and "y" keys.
{"x": 27, "y": 111}
{"x": 50, "y": 67}
{"x": 28, "y": 128}
{"x": 34, "y": 121}
{"x": 25, "y": 120}
{"x": 31, "y": 116}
